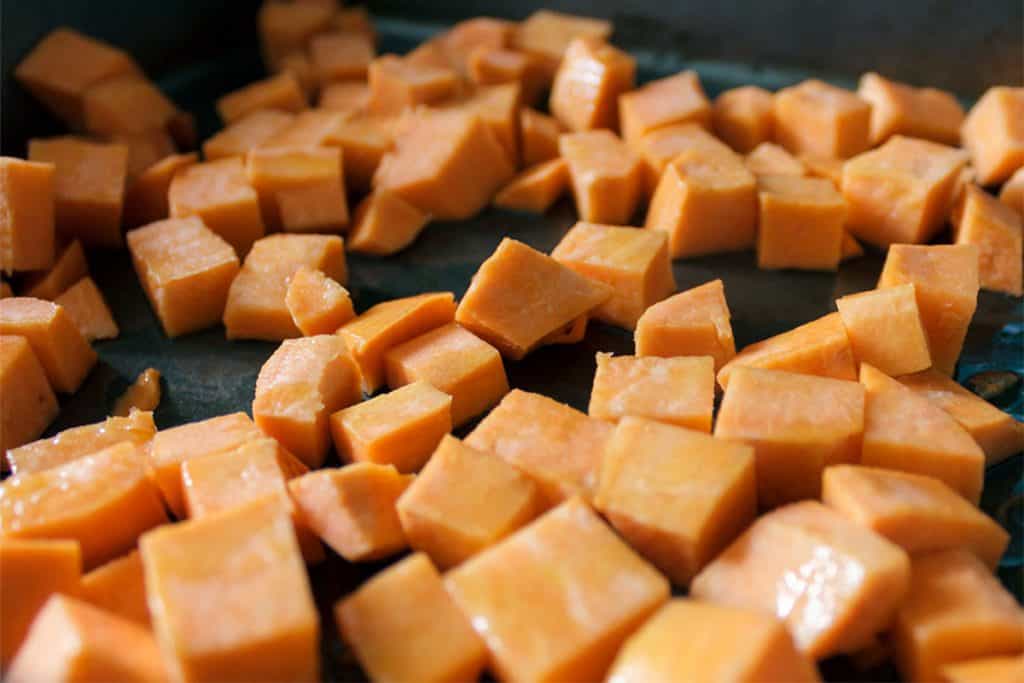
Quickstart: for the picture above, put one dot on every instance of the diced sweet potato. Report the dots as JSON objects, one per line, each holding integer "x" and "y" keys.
{"x": 606, "y": 176}
{"x": 186, "y": 270}
{"x": 744, "y": 117}
{"x": 800, "y": 223}
{"x": 886, "y": 329}
{"x": 539, "y": 136}
{"x": 88, "y": 310}
{"x": 298, "y": 65}
{"x": 459, "y": 42}
{"x": 664, "y": 102}
{"x": 126, "y": 105}
{"x": 557, "y": 446}
{"x": 397, "y": 84}
{"x": 904, "y": 431}
{"x": 535, "y": 189}
{"x": 994, "y": 135}
{"x": 901, "y": 109}
{"x": 706, "y": 201}
{"x": 309, "y": 128}
{"x": 547, "y": 35}
{"x": 144, "y": 150}
{"x": 146, "y": 198}
{"x": 354, "y": 20}
{"x": 1012, "y": 192}
{"x": 996, "y": 230}
{"x": 519, "y": 297}
{"x": 22, "y": 376}
{"x": 498, "y": 107}
{"x": 69, "y": 267}
{"x": 246, "y": 133}
{"x": 590, "y": 78}
{"x": 851, "y": 248}
{"x": 318, "y": 304}
{"x": 496, "y": 66}
{"x": 287, "y": 27}
{"x": 691, "y": 323}
{"x": 344, "y": 97}
{"x": 26, "y": 215}
{"x": 340, "y": 56}
{"x": 141, "y": 395}
{"x": 385, "y": 224}
{"x": 118, "y": 587}
{"x": 829, "y": 168}
{"x": 569, "y": 561}
{"x": 300, "y": 189}
{"x": 57, "y": 344}
{"x": 815, "y": 117}
{"x": 203, "y": 576}
{"x": 834, "y": 583}
{"x": 430, "y": 54}
{"x": 281, "y": 92}
{"x": 771, "y": 159}
{"x": 364, "y": 140}
{"x": 955, "y": 611}
{"x": 661, "y": 146}
{"x": 986, "y": 670}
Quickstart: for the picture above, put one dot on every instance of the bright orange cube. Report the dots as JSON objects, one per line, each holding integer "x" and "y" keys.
{"x": 364, "y": 140}
{"x": 26, "y": 215}
{"x": 497, "y": 66}
{"x": 344, "y": 97}
{"x": 664, "y": 102}
{"x": 744, "y": 117}
{"x": 119, "y": 587}
{"x": 56, "y": 342}
{"x": 606, "y": 176}
{"x": 886, "y": 330}
{"x": 994, "y": 135}
{"x": 281, "y": 92}
{"x": 69, "y": 267}
{"x": 829, "y": 168}
{"x": 535, "y": 189}
{"x": 126, "y": 105}
{"x": 590, "y": 78}
{"x": 996, "y": 230}
{"x": 397, "y": 84}
{"x": 661, "y": 146}
{"x": 901, "y": 109}
{"x": 498, "y": 107}
{"x": 814, "y": 117}
{"x": 539, "y": 136}
{"x": 23, "y": 376}
{"x": 145, "y": 200}
{"x": 771, "y": 159}
{"x": 246, "y": 133}
{"x": 318, "y": 304}
{"x": 800, "y": 223}
{"x": 385, "y": 224}
{"x": 340, "y": 56}
{"x": 691, "y": 323}
{"x": 300, "y": 189}
{"x": 1012, "y": 192}
{"x": 547, "y": 34}
{"x": 287, "y": 27}
{"x": 309, "y": 128}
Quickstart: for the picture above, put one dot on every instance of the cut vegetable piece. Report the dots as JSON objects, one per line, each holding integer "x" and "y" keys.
{"x": 535, "y": 189}
{"x": 606, "y": 176}
{"x": 146, "y": 201}
{"x": 519, "y": 297}
{"x": 385, "y": 224}
{"x": 547, "y": 35}
{"x": 397, "y": 84}
{"x": 996, "y": 230}
{"x": 309, "y": 128}
{"x": 994, "y": 135}
{"x": 352, "y": 508}
{"x": 691, "y": 323}
{"x": 987, "y": 670}
{"x": 800, "y": 223}
{"x": 590, "y": 78}
{"x": 142, "y": 395}
{"x": 144, "y": 150}
{"x": 635, "y": 263}
{"x": 539, "y": 133}
{"x": 463, "y": 38}
{"x": 664, "y": 102}
{"x": 318, "y": 304}
{"x": 744, "y": 117}
{"x": 1012, "y": 192}
{"x": 299, "y": 387}
{"x": 340, "y": 56}
{"x": 69, "y": 267}
{"x": 26, "y": 215}
{"x": 904, "y": 431}
{"x": 344, "y": 97}
{"x": 300, "y": 189}
{"x": 900, "y": 109}
{"x": 430, "y": 54}
{"x": 118, "y": 587}
{"x": 886, "y": 330}
{"x": 22, "y": 375}
{"x": 202, "y": 577}
{"x": 568, "y": 561}
{"x": 851, "y": 248}
{"x": 955, "y": 611}
{"x": 498, "y": 107}
{"x": 814, "y": 117}
{"x": 661, "y": 146}
{"x": 771, "y": 159}
{"x": 281, "y": 92}
{"x": 246, "y": 133}
{"x": 498, "y": 66}
{"x": 834, "y": 583}
{"x": 287, "y": 27}
{"x": 126, "y": 105}
{"x": 557, "y": 446}
{"x": 297, "y": 64}
{"x": 354, "y": 20}
{"x": 364, "y": 141}
{"x": 88, "y": 310}
{"x": 829, "y": 168}
{"x": 57, "y": 344}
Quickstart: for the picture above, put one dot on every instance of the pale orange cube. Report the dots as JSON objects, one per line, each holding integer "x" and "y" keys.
{"x": 340, "y": 56}
{"x": 691, "y": 323}
{"x": 520, "y": 299}
{"x": 1012, "y": 192}
{"x": 590, "y": 78}
{"x": 771, "y": 159}
{"x": 996, "y": 230}
{"x": 901, "y": 109}
{"x": 400, "y": 428}
{"x": 547, "y": 34}
{"x": 202, "y": 578}
{"x": 344, "y": 97}
{"x": 402, "y": 625}
{"x": 318, "y": 304}
{"x": 186, "y": 270}
{"x": 309, "y": 128}
{"x": 902, "y": 191}
{"x": 606, "y": 176}
{"x": 88, "y": 310}
{"x": 886, "y": 329}
{"x": 281, "y": 92}
{"x": 385, "y": 224}
{"x": 498, "y": 107}
{"x": 287, "y": 27}
{"x": 397, "y": 84}
{"x": 55, "y": 340}
{"x": 145, "y": 200}
{"x": 829, "y": 168}
{"x": 634, "y": 262}
{"x": 497, "y": 66}
{"x": 659, "y": 147}
{"x": 118, "y": 587}
{"x": 985, "y": 670}
{"x": 126, "y": 105}
{"x": 464, "y": 37}
{"x": 535, "y": 189}
{"x": 298, "y": 65}
{"x": 364, "y": 140}
{"x": 814, "y": 117}
{"x": 800, "y": 223}
{"x": 455, "y": 361}
{"x": 538, "y": 136}
{"x": 993, "y": 133}
{"x": 706, "y": 201}
{"x": 834, "y": 584}
{"x": 27, "y": 201}
{"x": 246, "y": 133}
{"x": 557, "y": 446}
{"x": 744, "y": 117}
{"x": 569, "y": 562}
{"x": 69, "y": 267}
{"x": 907, "y": 432}
{"x": 299, "y": 189}
{"x": 956, "y": 611}
{"x": 22, "y": 375}
{"x": 384, "y": 326}
{"x": 664, "y": 102}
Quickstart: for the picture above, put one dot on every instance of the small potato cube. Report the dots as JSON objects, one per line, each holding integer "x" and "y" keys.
{"x": 1012, "y": 192}
{"x": 463, "y": 38}
{"x": 340, "y": 56}
{"x": 496, "y": 66}
{"x": 354, "y": 20}
{"x": 344, "y": 97}
{"x": 118, "y": 587}
{"x": 287, "y": 27}
{"x": 498, "y": 107}
{"x": 800, "y": 223}
{"x": 590, "y": 79}
{"x": 993, "y": 134}
{"x": 901, "y": 109}
{"x": 26, "y": 215}
{"x": 126, "y": 105}
{"x": 539, "y": 136}
{"x": 246, "y": 133}
{"x": 535, "y": 189}
{"x": 815, "y": 117}
{"x": 364, "y": 140}
{"x": 606, "y": 176}
{"x": 57, "y": 344}
{"x": 771, "y": 159}
{"x": 21, "y": 375}
{"x": 744, "y": 117}
{"x": 691, "y": 323}
{"x": 886, "y": 330}
{"x": 318, "y": 304}
{"x": 824, "y": 167}
{"x": 309, "y": 128}
{"x": 300, "y": 189}
{"x": 145, "y": 201}
{"x": 397, "y": 84}
{"x": 281, "y": 92}
{"x": 664, "y": 102}
{"x": 547, "y": 35}
{"x": 88, "y": 310}
{"x": 659, "y": 147}
{"x": 996, "y": 230}
{"x": 385, "y": 224}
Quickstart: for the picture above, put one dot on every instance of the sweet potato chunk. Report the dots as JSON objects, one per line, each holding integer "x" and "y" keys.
{"x": 994, "y": 135}
{"x": 771, "y": 159}
{"x": 186, "y": 270}
{"x": 146, "y": 198}
{"x": 22, "y": 376}
{"x": 300, "y": 189}
{"x": 606, "y": 176}
{"x": 281, "y": 92}
{"x": 69, "y": 267}
{"x": 142, "y": 395}
{"x": 26, "y": 215}
{"x": 691, "y": 323}
{"x": 996, "y": 230}
{"x": 498, "y": 107}
{"x": 986, "y": 670}
{"x": 364, "y": 140}
{"x": 744, "y": 117}
{"x": 661, "y": 146}
{"x": 340, "y": 56}
{"x": 664, "y": 102}
{"x": 88, "y": 310}
{"x": 57, "y": 344}
{"x": 118, "y": 587}
{"x": 679, "y": 391}
{"x": 520, "y": 297}
{"x": 385, "y": 224}
{"x": 901, "y": 109}
{"x": 246, "y": 133}
{"x": 1012, "y": 192}
{"x": 318, "y": 304}
{"x": 287, "y": 27}
{"x": 397, "y": 84}
{"x": 800, "y": 223}
{"x": 344, "y": 97}
{"x": 590, "y": 78}
{"x": 539, "y": 136}
{"x": 886, "y": 329}
{"x": 309, "y": 128}
{"x": 126, "y": 105}
{"x": 817, "y": 118}
{"x": 829, "y": 168}
{"x": 547, "y": 35}
{"x": 354, "y": 20}
{"x": 535, "y": 189}
{"x": 497, "y": 66}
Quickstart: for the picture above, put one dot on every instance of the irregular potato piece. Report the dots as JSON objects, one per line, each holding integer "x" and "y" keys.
{"x": 22, "y": 375}
{"x": 27, "y": 201}
{"x": 661, "y": 146}
{"x": 771, "y": 159}
{"x": 397, "y": 84}
{"x": 691, "y": 323}
{"x": 364, "y": 140}
{"x": 318, "y": 304}
{"x": 69, "y": 267}
{"x": 60, "y": 348}
{"x": 886, "y": 329}
{"x": 1012, "y": 192}
{"x": 987, "y": 670}
{"x": 497, "y": 66}
{"x": 539, "y": 133}
{"x": 309, "y": 128}
{"x": 126, "y": 105}
{"x": 340, "y": 56}
{"x": 344, "y": 97}
{"x": 300, "y": 189}
{"x": 246, "y": 133}
{"x": 547, "y": 35}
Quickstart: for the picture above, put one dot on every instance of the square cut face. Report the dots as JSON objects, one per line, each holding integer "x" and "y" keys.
{"x": 607, "y": 177}
{"x": 664, "y": 102}
{"x": 691, "y": 323}
{"x": 995, "y": 229}
{"x": 886, "y": 330}
{"x": 744, "y": 117}
{"x": 340, "y": 56}
{"x": 63, "y": 353}
{"x": 589, "y": 81}
{"x": 26, "y": 215}
{"x": 800, "y": 223}
{"x": 281, "y": 92}
{"x": 814, "y": 117}
{"x": 994, "y": 135}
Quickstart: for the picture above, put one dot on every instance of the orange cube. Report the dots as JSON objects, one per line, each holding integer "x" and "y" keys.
{"x": 22, "y": 375}
{"x": 455, "y": 361}
{"x": 57, "y": 344}
{"x": 344, "y": 97}
{"x": 570, "y": 562}
{"x": 691, "y": 323}
{"x": 384, "y": 326}
{"x": 907, "y": 432}
{"x": 588, "y": 83}
{"x": 886, "y": 329}
{"x": 403, "y": 626}
{"x": 539, "y": 136}
{"x": 145, "y": 201}
{"x": 498, "y": 107}
{"x": 286, "y": 27}
{"x": 800, "y": 223}
{"x": 996, "y": 229}
{"x": 400, "y": 428}
{"x": 69, "y": 267}
{"x": 497, "y": 66}
{"x": 902, "y": 191}
{"x": 26, "y": 215}
{"x": 814, "y": 117}
{"x": 299, "y": 387}
{"x": 318, "y": 304}
{"x": 834, "y": 583}
{"x": 463, "y": 38}
{"x": 186, "y": 270}
{"x": 298, "y": 65}
{"x": 706, "y": 201}
{"x": 126, "y": 105}
{"x": 385, "y": 224}
{"x": 635, "y": 263}
{"x": 202, "y": 577}
{"x": 535, "y": 189}
{"x": 946, "y": 282}
{"x": 677, "y": 496}
{"x": 352, "y": 508}
{"x": 364, "y": 140}
{"x": 771, "y": 159}
{"x": 824, "y": 167}
{"x": 1012, "y": 192}
{"x": 955, "y": 611}
{"x": 281, "y": 92}
{"x": 88, "y": 310}
{"x": 986, "y": 670}
{"x": 397, "y": 84}
{"x": 451, "y": 522}
{"x": 118, "y": 587}
{"x": 557, "y": 446}
{"x": 744, "y": 117}
{"x": 300, "y": 189}
{"x": 606, "y": 176}
{"x": 664, "y": 102}
{"x": 547, "y": 35}
{"x": 659, "y": 147}
{"x": 246, "y": 133}
{"x": 520, "y": 298}
{"x": 88, "y": 187}
{"x": 308, "y": 128}
{"x": 900, "y": 109}
{"x": 340, "y": 56}
{"x": 993, "y": 134}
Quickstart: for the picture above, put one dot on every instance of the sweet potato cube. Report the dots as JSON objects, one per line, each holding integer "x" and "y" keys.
{"x": 901, "y": 109}
{"x": 318, "y": 304}
{"x": 635, "y": 263}
{"x": 340, "y": 56}
{"x": 300, "y": 189}
{"x": 496, "y": 66}
{"x": 364, "y": 140}
{"x": 834, "y": 583}
{"x": 57, "y": 344}
{"x": 956, "y": 611}
{"x": 281, "y": 92}
{"x": 557, "y": 446}
{"x": 520, "y": 297}
{"x": 354, "y": 20}
{"x": 385, "y": 224}
{"x": 126, "y": 105}
{"x": 706, "y": 201}
{"x": 256, "y": 307}
{"x": 22, "y": 376}
{"x": 352, "y": 508}
{"x": 88, "y": 187}
{"x": 800, "y": 223}
{"x": 1012, "y": 192}
{"x": 661, "y": 146}
{"x": 985, "y": 670}
{"x": 202, "y": 577}
{"x": 246, "y": 133}
{"x": 829, "y": 168}
{"x": 535, "y": 189}
{"x": 902, "y": 191}
{"x": 309, "y": 128}
{"x": 606, "y": 176}
{"x": 26, "y": 215}
{"x": 590, "y": 78}
{"x": 118, "y": 587}
{"x": 539, "y": 136}
{"x": 186, "y": 270}
{"x": 287, "y": 27}
{"x": 498, "y": 107}
{"x": 996, "y": 230}
{"x": 570, "y": 561}
{"x": 907, "y": 432}
{"x": 771, "y": 159}
{"x": 463, "y": 38}
{"x": 946, "y": 282}
{"x": 397, "y": 84}
{"x": 88, "y": 310}
{"x": 664, "y": 102}
{"x": 146, "y": 201}
{"x": 815, "y": 117}
{"x": 547, "y": 35}
{"x": 344, "y": 97}
{"x": 994, "y": 135}
{"x": 886, "y": 330}
{"x": 744, "y": 117}
{"x": 69, "y": 267}
{"x": 691, "y": 323}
